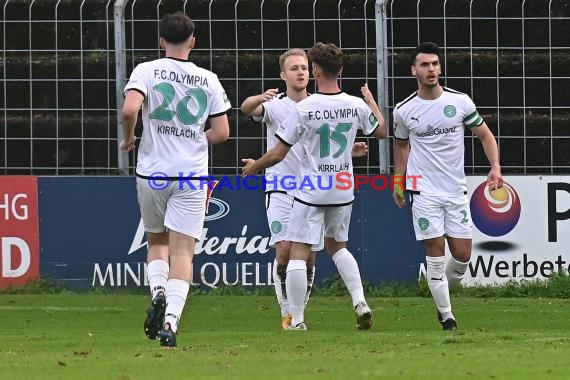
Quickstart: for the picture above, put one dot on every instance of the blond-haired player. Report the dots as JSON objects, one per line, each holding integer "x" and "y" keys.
{"x": 325, "y": 125}
{"x": 271, "y": 108}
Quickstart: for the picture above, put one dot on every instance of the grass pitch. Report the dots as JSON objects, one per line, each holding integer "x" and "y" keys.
{"x": 87, "y": 336}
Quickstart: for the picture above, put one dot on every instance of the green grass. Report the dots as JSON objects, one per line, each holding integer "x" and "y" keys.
{"x": 94, "y": 336}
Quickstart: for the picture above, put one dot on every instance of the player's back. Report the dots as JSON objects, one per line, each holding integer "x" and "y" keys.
{"x": 275, "y": 112}
{"x": 180, "y": 97}
{"x": 329, "y": 124}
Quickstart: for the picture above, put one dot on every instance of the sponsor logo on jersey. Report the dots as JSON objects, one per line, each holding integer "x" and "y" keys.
{"x": 431, "y": 131}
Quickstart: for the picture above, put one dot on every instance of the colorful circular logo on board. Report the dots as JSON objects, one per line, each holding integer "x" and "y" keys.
{"x": 495, "y": 213}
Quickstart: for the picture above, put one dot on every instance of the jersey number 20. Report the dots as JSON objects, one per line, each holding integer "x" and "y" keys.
{"x": 182, "y": 113}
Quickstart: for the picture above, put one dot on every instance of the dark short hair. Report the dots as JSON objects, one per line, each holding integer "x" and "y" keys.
{"x": 328, "y": 56}
{"x": 426, "y": 48}
{"x": 176, "y": 27}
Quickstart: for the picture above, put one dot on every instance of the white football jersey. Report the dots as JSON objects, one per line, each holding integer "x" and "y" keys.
{"x": 325, "y": 125}
{"x": 179, "y": 98}
{"x": 275, "y": 112}
{"x": 436, "y": 129}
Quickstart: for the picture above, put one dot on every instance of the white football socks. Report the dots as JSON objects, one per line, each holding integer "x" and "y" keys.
{"x": 350, "y": 274}
{"x": 278, "y": 281}
{"x": 310, "y": 282}
{"x": 296, "y": 285}
{"x": 437, "y": 282}
{"x": 455, "y": 271}
{"x": 176, "y": 294}
{"x": 157, "y": 273}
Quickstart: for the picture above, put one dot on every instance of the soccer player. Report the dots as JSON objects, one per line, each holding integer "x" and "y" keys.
{"x": 271, "y": 108}
{"x": 429, "y": 128}
{"x": 325, "y": 125}
{"x": 177, "y": 97}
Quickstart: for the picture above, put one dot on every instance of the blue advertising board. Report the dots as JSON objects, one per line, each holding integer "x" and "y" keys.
{"x": 91, "y": 235}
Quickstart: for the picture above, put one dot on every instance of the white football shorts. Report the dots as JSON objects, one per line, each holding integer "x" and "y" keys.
{"x": 308, "y": 223}
{"x": 179, "y": 208}
{"x": 278, "y": 208}
{"x": 436, "y": 216}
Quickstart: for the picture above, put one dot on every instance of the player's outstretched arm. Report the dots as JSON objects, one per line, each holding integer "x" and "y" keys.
{"x": 251, "y": 106}
{"x": 381, "y": 131}
{"x": 494, "y": 179}
{"x": 219, "y": 130}
{"x": 129, "y": 115}
{"x": 272, "y": 157}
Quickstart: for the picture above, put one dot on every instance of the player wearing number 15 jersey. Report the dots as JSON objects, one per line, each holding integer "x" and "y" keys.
{"x": 177, "y": 98}
{"x": 325, "y": 124}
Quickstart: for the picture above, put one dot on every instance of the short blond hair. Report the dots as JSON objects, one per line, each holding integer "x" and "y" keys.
{"x": 289, "y": 53}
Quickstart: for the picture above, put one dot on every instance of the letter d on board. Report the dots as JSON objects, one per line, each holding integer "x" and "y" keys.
{"x": 25, "y": 257}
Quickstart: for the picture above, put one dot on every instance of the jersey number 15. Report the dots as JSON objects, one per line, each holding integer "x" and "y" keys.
{"x": 338, "y": 135}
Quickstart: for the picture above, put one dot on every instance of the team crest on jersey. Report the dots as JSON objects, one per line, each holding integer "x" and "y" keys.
{"x": 423, "y": 223}
{"x": 276, "y": 227}
{"x": 226, "y": 99}
{"x": 372, "y": 119}
{"x": 449, "y": 111}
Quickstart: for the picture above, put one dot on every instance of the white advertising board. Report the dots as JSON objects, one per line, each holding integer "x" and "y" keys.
{"x": 521, "y": 232}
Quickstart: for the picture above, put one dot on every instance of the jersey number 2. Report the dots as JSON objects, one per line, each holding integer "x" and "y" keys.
{"x": 338, "y": 135}
{"x": 182, "y": 113}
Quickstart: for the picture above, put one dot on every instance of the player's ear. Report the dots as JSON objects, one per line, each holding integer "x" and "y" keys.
{"x": 315, "y": 70}
{"x": 413, "y": 70}
{"x": 282, "y": 75}
{"x": 192, "y": 42}
{"x": 161, "y": 42}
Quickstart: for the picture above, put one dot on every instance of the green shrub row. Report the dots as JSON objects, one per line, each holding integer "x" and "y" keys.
{"x": 557, "y": 286}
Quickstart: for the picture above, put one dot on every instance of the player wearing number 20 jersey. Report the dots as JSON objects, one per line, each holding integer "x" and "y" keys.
{"x": 326, "y": 125}
{"x": 180, "y": 98}
{"x": 177, "y": 98}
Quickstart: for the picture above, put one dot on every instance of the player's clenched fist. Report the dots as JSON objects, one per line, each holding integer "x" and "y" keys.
{"x": 128, "y": 144}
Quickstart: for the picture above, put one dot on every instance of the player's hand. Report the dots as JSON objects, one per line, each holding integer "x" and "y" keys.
{"x": 269, "y": 94}
{"x": 128, "y": 144}
{"x": 495, "y": 179}
{"x": 249, "y": 168}
{"x": 399, "y": 197}
{"x": 359, "y": 149}
{"x": 398, "y": 193}
{"x": 366, "y": 94}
